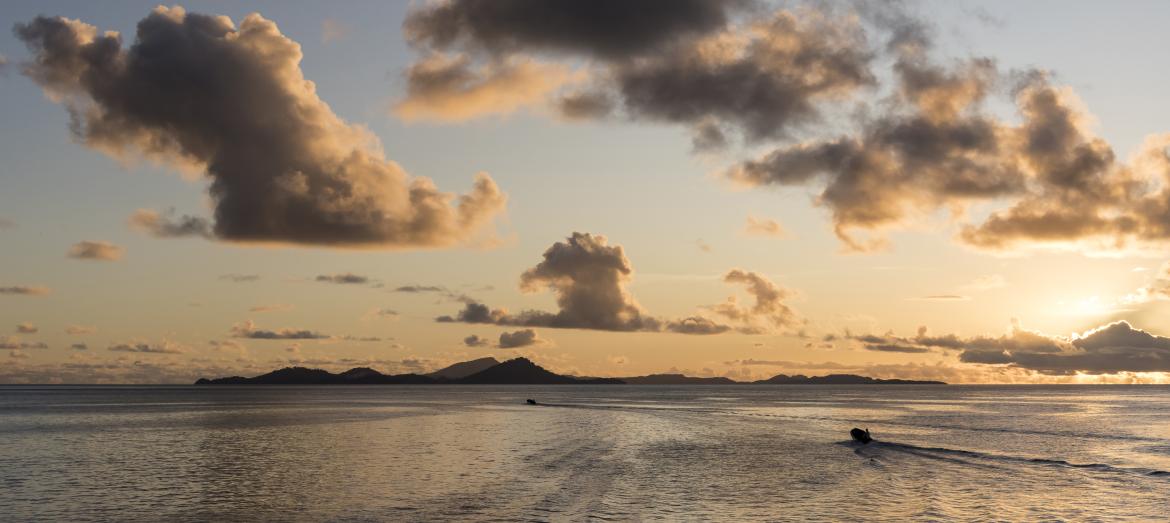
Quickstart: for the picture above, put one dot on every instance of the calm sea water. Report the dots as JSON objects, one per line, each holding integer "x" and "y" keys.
{"x": 606, "y": 452}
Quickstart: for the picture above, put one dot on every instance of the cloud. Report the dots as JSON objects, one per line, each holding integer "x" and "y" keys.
{"x": 163, "y": 347}
{"x": 282, "y": 167}
{"x": 707, "y": 136}
{"x": 520, "y": 338}
{"x": 348, "y": 337}
{"x": 892, "y": 347}
{"x": 696, "y": 325}
{"x": 601, "y": 28}
{"x": 476, "y": 341}
{"x": 77, "y": 330}
{"x": 768, "y": 312}
{"x": 450, "y": 88}
{"x": 7, "y": 224}
{"x": 26, "y": 328}
{"x": 275, "y": 307}
{"x": 1109, "y": 349}
{"x": 343, "y": 278}
{"x": 166, "y": 225}
{"x": 589, "y": 278}
{"x": 26, "y": 290}
{"x": 420, "y": 288}
{"x": 475, "y": 312}
{"x": 87, "y": 250}
{"x": 1158, "y": 288}
{"x": 944, "y": 297}
{"x": 937, "y": 147}
{"x": 239, "y": 278}
{"x": 443, "y": 291}
{"x": 703, "y": 246}
{"x": 382, "y": 313}
{"x": 922, "y": 343}
{"x": 332, "y": 31}
{"x": 585, "y": 105}
{"x": 14, "y": 343}
{"x": 230, "y": 346}
{"x": 681, "y": 62}
{"x": 79, "y": 346}
{"x": 248, "y": 330}
{"x": 763, "y": 227}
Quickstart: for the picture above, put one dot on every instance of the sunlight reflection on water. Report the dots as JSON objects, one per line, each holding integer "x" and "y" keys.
{"x": 614, "y": 452}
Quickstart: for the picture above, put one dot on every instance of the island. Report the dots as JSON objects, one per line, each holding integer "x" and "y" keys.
{"x": 522, "y": 371}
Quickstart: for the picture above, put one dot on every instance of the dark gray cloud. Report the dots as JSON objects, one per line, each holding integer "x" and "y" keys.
{"x": 704, "y": 64}
{"x": 420, "y": 288}
{"x": 607, "y": 29}
{"x": 167, "y": 225}
{"x": 79, "y": 346}
{"x": 345, "y": 278}
{"x": 248, "y": 330}
{"x": 90, "y": 250}
{"x": 163, "y": 347}
{"x": 696, "y": 325}
{"x": 586, "y": 105}
{"x": 232, "y": 102}
{"x": 1113, "y": 348}
{"x": 891, "y": 347}
{"x": 475, "y": 312}
{"x": 26, "y": 290}
{"x": 520, "y": 338}
{"x": 921, "y": 343}
{"x": 476, "y": 341}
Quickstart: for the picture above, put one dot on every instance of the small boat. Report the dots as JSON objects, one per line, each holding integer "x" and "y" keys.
{"x": 532, "y": 402}
{"x": 860, "y": 436}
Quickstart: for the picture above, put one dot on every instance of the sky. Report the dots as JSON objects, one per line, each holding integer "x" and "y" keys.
{"x": 973, "y": 192}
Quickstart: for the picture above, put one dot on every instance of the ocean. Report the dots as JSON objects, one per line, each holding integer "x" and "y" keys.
{"x": 478, "y": 453}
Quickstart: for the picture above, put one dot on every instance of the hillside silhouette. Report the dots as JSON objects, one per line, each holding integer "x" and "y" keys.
{"x": 521, "y": 371}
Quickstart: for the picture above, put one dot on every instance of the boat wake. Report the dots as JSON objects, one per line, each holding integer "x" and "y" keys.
{"x": 879, "y": 449}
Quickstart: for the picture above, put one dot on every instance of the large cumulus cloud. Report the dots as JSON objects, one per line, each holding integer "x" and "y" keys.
{"x": 198, "y": 92}
{"x": 704, "y": 64}
{"x": 925, "y": 143}
{"x": 589, "y": 278}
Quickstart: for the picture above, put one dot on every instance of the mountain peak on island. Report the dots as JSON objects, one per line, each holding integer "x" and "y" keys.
{"x": 464, "y": 369}
{"x": 521, "y": 371}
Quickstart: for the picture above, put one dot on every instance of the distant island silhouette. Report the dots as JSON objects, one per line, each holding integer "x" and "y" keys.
{"x": 522, "y": 371}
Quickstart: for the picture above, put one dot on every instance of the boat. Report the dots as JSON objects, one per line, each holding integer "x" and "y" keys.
{"x": 860, "y": 436}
